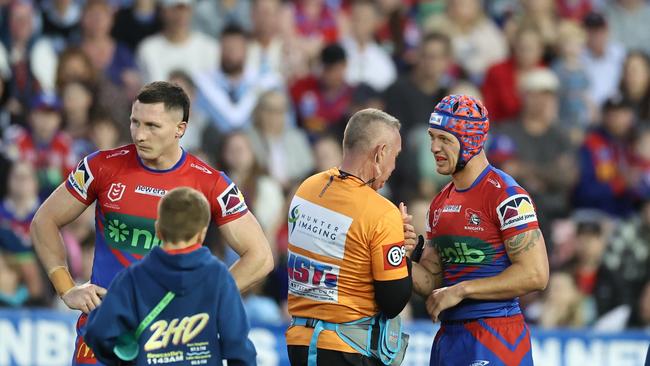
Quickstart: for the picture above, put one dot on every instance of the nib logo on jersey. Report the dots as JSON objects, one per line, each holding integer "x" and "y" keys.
{"x": 516, "y": 210}
{"x": 130, "y": 233}
{"x": 463, "y": 250}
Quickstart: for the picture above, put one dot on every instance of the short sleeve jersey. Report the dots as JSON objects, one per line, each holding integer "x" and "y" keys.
{"x": 342, "y": 236}
{"x": 469, "y": 227}
{"x": 127, "y": 192}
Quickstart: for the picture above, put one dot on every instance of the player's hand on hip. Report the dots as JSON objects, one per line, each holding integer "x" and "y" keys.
{"x": 442, "y": 299}
{"x": 410, "y": 237}
{"x": 84, "y": 297}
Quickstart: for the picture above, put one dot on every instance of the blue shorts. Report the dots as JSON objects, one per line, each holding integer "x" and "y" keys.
{"x": 490, "y": 341}
{"x": 83, "y": 355}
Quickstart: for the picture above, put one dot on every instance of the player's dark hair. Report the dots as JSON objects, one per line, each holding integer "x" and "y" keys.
{"x": 171, "y": 95}
{"x": 182, "y": 213}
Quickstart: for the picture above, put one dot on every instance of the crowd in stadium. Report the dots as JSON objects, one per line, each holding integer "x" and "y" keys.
{"x": 272, "y": 83}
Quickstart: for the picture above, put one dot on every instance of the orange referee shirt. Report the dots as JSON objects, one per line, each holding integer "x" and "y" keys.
{"x": 342, "y": 236}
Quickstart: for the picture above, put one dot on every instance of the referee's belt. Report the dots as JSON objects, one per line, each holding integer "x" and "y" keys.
{"x": 377, "y": 337}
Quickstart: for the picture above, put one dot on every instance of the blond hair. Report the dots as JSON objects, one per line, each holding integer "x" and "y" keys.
{"x": 361, "y": 132}
{"x": 182, "y": 213}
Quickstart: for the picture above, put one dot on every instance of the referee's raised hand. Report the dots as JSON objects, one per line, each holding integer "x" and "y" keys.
{"x": 410, "y": 237}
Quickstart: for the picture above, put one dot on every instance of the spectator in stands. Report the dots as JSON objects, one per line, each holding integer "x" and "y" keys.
{"x": 111, "y": 58}
{"x": 327, "y": 153}
{"x": 411, "y": 97}
{"x": 574, "y": 9}
{"x": 267, "y": 50}
{"x": 501, "y": 85}
{"x": 199, "y": 136}
{"x": 639, "y": 176}
{"x": 398, "y": 31}
{"x": 576, "y": 108}
{"x": 78, "y": 103}
{"x": 263, "y": 194}
{"x": 281, "y": 148}
{"x": 641, "y": 316}
{"x": 212, "y": 16}
{"x": 315, "y": 25}
{"x": 539, "y": 15}
{"x": 629, "y": 251}
{"x": 604, "y": 163}
{"x": 533, "y": 164}
{"x": 477, "y": 42}
{"x": 629, "y": 22}
{"x": 635, "y": 84}
{"x": 602, "y": 57}
{"x": 229, "y": 94}
{"x": 12, "y": 292}
{"x": 60, "y": 19}
{"x": 182, "y": 48}
{"x": 44, "y": 145}
{"x": 32, "y": 60}
{"x": 563, "y": 305}
{"x": 595, "y": 279}
{"x": 104, "y": 131}
{"x": 322, "y": 101}
{"x": 16, "y": 212}
{"x": 136, "y": 22}
{"x": 367, "y": 61}
{"x": 75, "y": 66}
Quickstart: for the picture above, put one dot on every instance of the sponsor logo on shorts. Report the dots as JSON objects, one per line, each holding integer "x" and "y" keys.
{"x": 81, "y": 178}
{"x": 231, "y": 201}
{"x": 393, "y": 256}
{"x": 150, "y": 191}
{"x": 313, "y": 279}
{"x": 479, "y": 363}
{"x": 83, "y": 353}
{"x": 515, "y": 211}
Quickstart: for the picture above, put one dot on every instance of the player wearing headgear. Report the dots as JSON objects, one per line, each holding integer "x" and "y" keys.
{"x": 484, "y": 247}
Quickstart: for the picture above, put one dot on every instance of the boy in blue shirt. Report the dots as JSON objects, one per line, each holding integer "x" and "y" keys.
{"x": 179, "y": 304}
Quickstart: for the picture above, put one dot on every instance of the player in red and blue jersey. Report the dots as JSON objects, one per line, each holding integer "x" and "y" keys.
{"x": 484, "y": 247}
{"x": 126, "y": 184}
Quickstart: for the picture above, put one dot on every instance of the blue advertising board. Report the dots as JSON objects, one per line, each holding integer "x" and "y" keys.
{"x": 46, "y": 338}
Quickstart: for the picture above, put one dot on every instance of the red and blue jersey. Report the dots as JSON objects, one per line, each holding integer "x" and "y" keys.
{"x": 126, "y": 193}
{"x": 469, "y": 227}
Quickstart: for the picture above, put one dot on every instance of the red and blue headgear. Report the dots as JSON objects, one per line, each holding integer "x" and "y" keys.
{"x": 466, "y": 118}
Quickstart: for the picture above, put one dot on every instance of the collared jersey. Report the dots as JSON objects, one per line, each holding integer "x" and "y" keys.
{"x": 469, "y": 229}
{"x": 127, "y": 192}
{"x": 343, "y": 236}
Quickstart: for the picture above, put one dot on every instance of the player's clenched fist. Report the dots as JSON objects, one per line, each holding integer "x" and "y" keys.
{"x": 442, "y": 299}
{"x": 84, "y": 297}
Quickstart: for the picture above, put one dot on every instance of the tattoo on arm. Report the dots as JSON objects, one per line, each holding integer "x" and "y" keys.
{"x": 522, "y": 242}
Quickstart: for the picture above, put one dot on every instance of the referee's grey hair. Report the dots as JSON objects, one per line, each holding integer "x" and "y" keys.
{"x": 362, "y": 129}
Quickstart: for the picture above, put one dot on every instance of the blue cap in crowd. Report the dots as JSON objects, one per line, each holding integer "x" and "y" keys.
{"x": 45, "y": 101}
